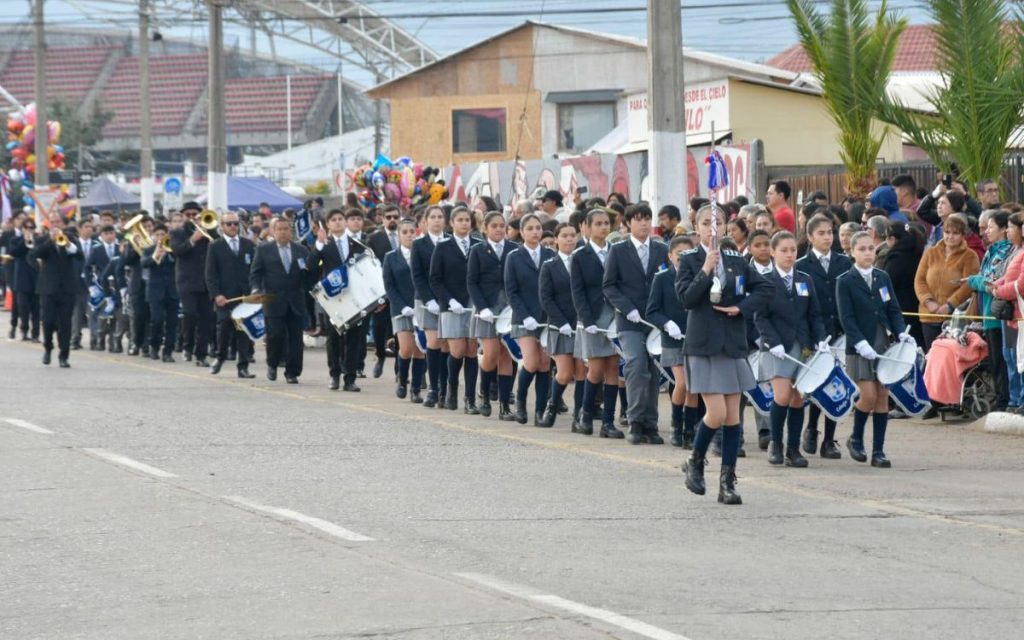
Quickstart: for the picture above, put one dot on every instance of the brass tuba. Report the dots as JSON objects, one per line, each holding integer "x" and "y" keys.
{"x": 136, "y": 234}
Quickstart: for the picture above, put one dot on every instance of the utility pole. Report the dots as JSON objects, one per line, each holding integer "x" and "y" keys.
{"x": 42, "y": 177}
{"x": 217, "y": 151}
{"x": 145, "y": 124}
{"x": 378, "y": 114}
{"x": 666, "y": 113}
{"x": 341, "y": 97}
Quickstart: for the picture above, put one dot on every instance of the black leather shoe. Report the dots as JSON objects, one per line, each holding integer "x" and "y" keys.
{"x": 879, "y": 460}
{"x": 763, "y": 440}
{"x": 794, "y": 458}
{"x": 271, "y": 374}
{"x": 153, "y": 355}
{"x": 244, "y": 373}
{"x": 585, "y": 425}
{"x": 334, "y": 384}
{"x": 360, "y": 374}
{"x": 442, "y": 400}
{"x": 609, "y": 430}
{"x": 636, "y": 435}
{"x": 431, "y": 400}
{"x": 830, "y": 450}
{"x": 469, "y": 407}
{"x": 688, "y": 436}
{"x": 856, "y": 449}
{"x": 144, "y": 351}
{"x": 693, "y": 469}
{"x": 76, "y": 346}
{"x": 547, "y": 420}
{"x": 217, "y": 364}
{"x": 677, "y": 436}
{"x": 775, "y": 453}
{"x": 167, "y": 358}
{"x": 505, "y": 413}
{"x": 133, "y": 351}
{"x": 653, "y": 437}
{"x": 64, "y": 364}
{"x": 401, "y": 391}
{"x": 351, "y": 387}
{"x": 452, "y": 398}
{"x": 810, "y": 440}
{"x": 415, "y": 397}
{"x": 521, "y": 415}
{"x": 484, "y": 408}
{"x": 623, "y": 420}
{"x": 46, "y": 356}
{"x": 727, "y": 487}
{"x": 562, "y": 407}
{"x": 378, "y": 369}
{"x": 538, "y": 418}
{"x": 202, "y": 362}
{"x": 291, "y": 380}
{"x": 741, "y": 452}
{"x": 188, "y": 356}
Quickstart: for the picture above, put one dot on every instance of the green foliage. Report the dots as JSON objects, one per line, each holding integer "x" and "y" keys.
{"x": 321, "y": 188}
{"x": 852, "y": 53}
{"x": 979, "y": 50}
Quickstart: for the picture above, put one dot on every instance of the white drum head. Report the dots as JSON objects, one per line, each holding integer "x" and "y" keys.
{"x": 544, "y": 338}
{"x": 503, "y": 321}
{"x": 897, "y": 362}
{"x": 245, "y": 309}
{"x": 816, "y": 373}
{"x": 654, "y": 342}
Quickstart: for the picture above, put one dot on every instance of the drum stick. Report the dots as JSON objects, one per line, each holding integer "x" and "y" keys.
{"x": 554, "y": 328}
{"x": 789, "y": 357}
{"x": 947, "y": 315}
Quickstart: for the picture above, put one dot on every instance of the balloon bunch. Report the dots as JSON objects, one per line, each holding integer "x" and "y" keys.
{"x": 402, "y": 182}
{"x": 21, "y": 136}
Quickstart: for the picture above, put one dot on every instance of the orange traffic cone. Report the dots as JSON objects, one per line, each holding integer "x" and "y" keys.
{"x": 9, "y": 300}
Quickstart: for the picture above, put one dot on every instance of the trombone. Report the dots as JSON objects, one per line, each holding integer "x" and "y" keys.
{"x": 206, "y": 223}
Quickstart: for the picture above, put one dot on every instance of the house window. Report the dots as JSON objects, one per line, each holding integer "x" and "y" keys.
{"x": 478, "y": 130}
{"x": 580, "y": 126}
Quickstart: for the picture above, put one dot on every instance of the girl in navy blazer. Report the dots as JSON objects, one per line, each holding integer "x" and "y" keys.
{"x": 448, "y": 282}
{"x": 666, "y": 311}
{"x": 595, "y": 314}
{"x": 870, "y": 314}
{"x": 485, "y": 280}
{"x": 522, "y": 284}
{"x": 563, "y": 343}
{"x": 402, "y": 302}
{"x": 428, "y": 311}
{"x": 789, "y": 325}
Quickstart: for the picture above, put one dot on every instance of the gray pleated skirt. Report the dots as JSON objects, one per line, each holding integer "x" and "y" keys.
{"x": 401, "y": 323}
{"x": 426, "y": 320}
{"x": 771, "y": 367}
{"x": 455, "y": 325}
{"x": 672, "y": 356}
{"x": 598, "y": 345}
{"x": 718, "y": 374}
{"x": 519, "y": 331}
{"x": 558, "y": 344}
{"x": 859, "y": 368}
{"x": 483, "y": 329}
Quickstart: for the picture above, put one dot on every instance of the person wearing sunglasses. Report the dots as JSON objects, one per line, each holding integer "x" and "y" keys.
{"x": 227, "y": 276}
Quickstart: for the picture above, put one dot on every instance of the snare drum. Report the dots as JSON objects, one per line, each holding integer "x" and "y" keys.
{"x": 896, "y": 363}
{"x": 761, "y": 396}
{"x": 503, "y": 321}
{"x": 654, "y": 342}
{"x": 248, "y": 318}
{"x": 512, "y": 347}
{"x": 815, "y": 372}
{"x": 837, "y": 395}
{"x": 362, "y": 292}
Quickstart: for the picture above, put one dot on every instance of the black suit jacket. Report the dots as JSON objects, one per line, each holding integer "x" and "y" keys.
{"x": 288, "y": 288}
{"x": 825, "y": 286}
{"x": 861, "y": 310}
{"x": 556, "y": 293}
{"x": 398, "y": 282}
{"x": 83, "y": 261}
{"x": 190, "y": 260}
{"x": 227, "y": 274}
{"x": 522, "y": 284}
{"x": 791, "y": 316}
{"x": 60, "y": 271}
{"x": 328, "y": 258}
{"x": 379, "y": 243}
{"x": 626, "y": 284}
{"x": 161, "y": 285}
{"x": 448, "y": 268}
{"x": 485, "y": 274}
{"x": 709, "y": 332}
{"x": 422, "y": 252}
{"x": 96, "y": 262}
{"x": 136, "y": 283}
{"x": 588, "y": 284}
{"x": 25, "y": 271}
{"x": 664, "y": 305}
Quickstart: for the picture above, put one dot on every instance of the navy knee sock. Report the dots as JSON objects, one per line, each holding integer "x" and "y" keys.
{"x": 557, "y": 391}
{"x": 860, "y": 420}
{"x": 701, "y": 408}
{"x": 830, "y": 429}
{"x": 442, "y": 371}
{"x": 434, "y": 368}
{"x": 623, "y": 401}
{"x": 454, "y": 367}
{"x": 470, "y": 371}
{"x": 691, "y": 416}
{"x": 812, "y": 417}
{"x": 589, "y": 391}
{"x": 794, "y": 423}
{"x": 703, "y": 439}
{"x": 504, "y": 388}
{"x": 777, "y": 418}
{"x": 578, "y": 389}
{"x": 419, "y": 365}
{"x": 677, "y": 415}
{"x": 542, "y": 390}
{"x": 486, "y": 379}
{"x": 611, "y": 394}
{"x": 879, "y": 422}
{"x": 730, "y": 444}
{"x": 403, "y": 371}
{"x": 523, "y": 384}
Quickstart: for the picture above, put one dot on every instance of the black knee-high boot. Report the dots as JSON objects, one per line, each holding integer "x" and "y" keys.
{"x": 542, "y": 390}
{"x": 523, "y": 383}
{"x": 486, "y": 378}
{"x": 452, "y": 396}
{"x": 469, "y": 376}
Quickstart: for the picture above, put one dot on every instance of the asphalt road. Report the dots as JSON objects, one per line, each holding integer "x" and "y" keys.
{"x": 147, "y": 500}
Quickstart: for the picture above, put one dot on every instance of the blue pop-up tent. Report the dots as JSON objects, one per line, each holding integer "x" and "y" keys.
{"x": 248, "y": 193}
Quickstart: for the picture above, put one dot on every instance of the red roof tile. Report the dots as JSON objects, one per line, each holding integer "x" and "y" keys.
{"x": 916, "y": 53}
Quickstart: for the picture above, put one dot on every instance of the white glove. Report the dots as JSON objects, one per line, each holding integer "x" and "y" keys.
{"x": 592, "y": 330}
{"x": 906, "y": 337}
{"x": 408, "y": 312}
{"x": 824, "y": 347}
{"x": 565, "y": 329}
{"x": 455, "y": 306}
{"x": 865, "y": 350}
{"x": 778, "y": 351}
{"x": 672, "y": 329}
{"x": 530, "y": 324}
{"x": 633, "y": 316}
{"x": 433, "y": 307}
{"x": 486, "y": 315}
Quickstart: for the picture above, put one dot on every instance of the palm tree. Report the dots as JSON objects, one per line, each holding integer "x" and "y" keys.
{"x": 980, "y": 102}
{"x": 852, "y": 54}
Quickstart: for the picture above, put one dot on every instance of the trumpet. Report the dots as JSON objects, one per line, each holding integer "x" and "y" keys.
{"x": 61, "y": 240}
{"x": 206, "y": 223}
{"x": 161, "y": 249}
{"x": 30, "y": 240}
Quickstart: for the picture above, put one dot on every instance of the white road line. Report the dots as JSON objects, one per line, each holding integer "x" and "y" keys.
{"x": 124, "y": 461}
{"x": 608, "y": 617}
{"x": 322, "y": 525}
{"x": 17, "y": 422}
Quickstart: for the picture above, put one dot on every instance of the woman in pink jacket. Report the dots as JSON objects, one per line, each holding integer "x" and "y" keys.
{"x": 1004, "y": 289}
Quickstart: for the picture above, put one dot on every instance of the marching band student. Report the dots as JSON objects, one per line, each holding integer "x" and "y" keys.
{"x": 556, "y": 299}
{"x": 760, "y": 254}
{"x": 596, "y": 316}
{"x": 402, "y": 300}
{"x": 718, "y": 289}
{"x": 788, "y": 325}
{"x": 666, "y": 311}
{"x": 57, "y": 283}
{"x": 428, "y": 311}
{"x": 161, "y": 295}
{"x": 448, "y": 283}
{"x": 824, "y": 266}
{"x": 628, "y": 274}
{"x": 868, "y": 311}
{"x": 485, "y": 279}
{"x": 522, "y": 285}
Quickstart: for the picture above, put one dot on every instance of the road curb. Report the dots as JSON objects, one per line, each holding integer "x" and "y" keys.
{"x": 1005, "y": 423}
